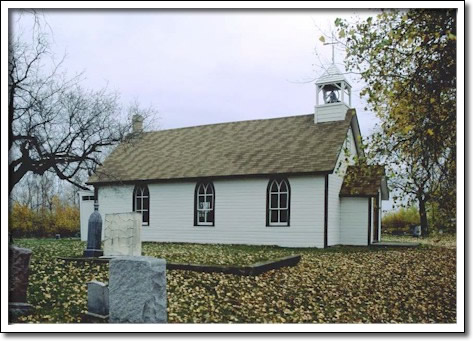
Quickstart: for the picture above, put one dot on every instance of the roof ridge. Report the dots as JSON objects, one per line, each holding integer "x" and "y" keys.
{"x": 230, "y": 122}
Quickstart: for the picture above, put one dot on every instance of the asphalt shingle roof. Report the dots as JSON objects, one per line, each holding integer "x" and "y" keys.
{"x": 270, "y": 146}
{"x": 362, "y": 181}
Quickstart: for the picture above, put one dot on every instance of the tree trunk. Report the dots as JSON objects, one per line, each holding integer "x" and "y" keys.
{"x": 15, "y": 176}
{"x": 424, "y": 225}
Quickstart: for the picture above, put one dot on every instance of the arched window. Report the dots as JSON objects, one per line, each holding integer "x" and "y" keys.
{"x": 278, "y": 203}
{"x": 204, "y": 212}
{"x": 141, "y": 202}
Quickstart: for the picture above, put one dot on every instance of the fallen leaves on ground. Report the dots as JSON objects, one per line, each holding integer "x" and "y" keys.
{"x": 337, "y": 285}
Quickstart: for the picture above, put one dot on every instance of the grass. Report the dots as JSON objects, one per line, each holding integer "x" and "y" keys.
{"x": 448, "y": 241}
{"x": 336, "y": 285}
{"x": 213, "y": 254}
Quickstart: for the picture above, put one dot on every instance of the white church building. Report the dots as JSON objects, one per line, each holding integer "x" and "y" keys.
{"x": 286, "y": 181}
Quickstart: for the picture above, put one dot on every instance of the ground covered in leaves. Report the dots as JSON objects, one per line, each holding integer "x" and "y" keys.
{"x": 336, "y": 285}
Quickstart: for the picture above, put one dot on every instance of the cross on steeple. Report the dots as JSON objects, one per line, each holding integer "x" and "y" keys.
{"x": 333, "y": 42}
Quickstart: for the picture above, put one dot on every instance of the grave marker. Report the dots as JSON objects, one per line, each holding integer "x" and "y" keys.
{"x": 137, "y": 290}
{"x": 94, "y": 235}
{"x": 122, "y": 235}
{"x": 97, "y": 302}
{"x": 18, "y": 276}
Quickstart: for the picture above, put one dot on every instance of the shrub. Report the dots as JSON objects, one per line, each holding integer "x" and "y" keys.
{"x": 439, "y": 219}
{"x": 66, "y": 218}
{"x": 62, "y": 218}
{"x": 399, "y": 222}
{"x": 21, "y": 220}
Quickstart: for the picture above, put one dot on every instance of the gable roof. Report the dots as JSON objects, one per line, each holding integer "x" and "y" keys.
{"x": 364, "y": 181}
{"x": 287, "y": 145}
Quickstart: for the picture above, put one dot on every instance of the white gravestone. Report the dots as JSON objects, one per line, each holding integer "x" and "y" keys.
{"x": 122, "y": 234}
{"x": 137, "y": 290}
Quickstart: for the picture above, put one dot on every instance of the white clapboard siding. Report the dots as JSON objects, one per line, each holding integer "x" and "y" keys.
{"x": 330, "y": 112}
{"x": 115, "y": 199}
{"x": 354, "y": 221}
{"x": 335, "y": 182}
{"x": 240, "y": 216}
{"x": 86, "y": 207}
{"x": 333, "y": 222}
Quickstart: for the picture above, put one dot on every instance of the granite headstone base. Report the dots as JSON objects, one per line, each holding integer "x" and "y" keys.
{"x": 93, "y": 253}
{"x": 89, "y": 317}
{"x": 17, "y": 309}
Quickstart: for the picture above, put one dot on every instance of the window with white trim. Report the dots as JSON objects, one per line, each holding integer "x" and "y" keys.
{"x": 278, "y": 203}
{"x": 141, "y": 202}
{"x": 88, "y": 198}
{"x": 204, "y": 213}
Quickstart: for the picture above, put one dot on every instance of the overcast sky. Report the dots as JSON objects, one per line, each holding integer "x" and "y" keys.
{"x": 201, "y": 67}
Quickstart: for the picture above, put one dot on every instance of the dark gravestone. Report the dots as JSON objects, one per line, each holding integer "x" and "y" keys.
{"x": 18, "y": 274}
{"x": 94, "y": 235}
{"x": 19, "y": 261}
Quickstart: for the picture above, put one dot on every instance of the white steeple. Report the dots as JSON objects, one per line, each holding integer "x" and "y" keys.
{"x": 333, "y": 96}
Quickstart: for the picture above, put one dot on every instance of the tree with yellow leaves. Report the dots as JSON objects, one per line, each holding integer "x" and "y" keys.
{"x": 408, "y": 60}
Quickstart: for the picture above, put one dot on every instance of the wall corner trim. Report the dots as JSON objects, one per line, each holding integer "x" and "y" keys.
{"x": 369, "y": 221}
{"x": 326, "y": 212}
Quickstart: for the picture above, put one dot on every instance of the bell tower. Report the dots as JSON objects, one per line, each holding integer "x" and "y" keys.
{"x": 332, "y": 96}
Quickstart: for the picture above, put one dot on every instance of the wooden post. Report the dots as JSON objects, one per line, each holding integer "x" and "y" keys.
{"x": 369, "y": 221}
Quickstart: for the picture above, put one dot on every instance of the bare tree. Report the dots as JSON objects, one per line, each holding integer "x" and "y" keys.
{"x": 56, "y": 125}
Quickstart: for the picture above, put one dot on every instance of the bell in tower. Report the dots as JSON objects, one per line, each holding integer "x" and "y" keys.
{"x": 333, "y": 96}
